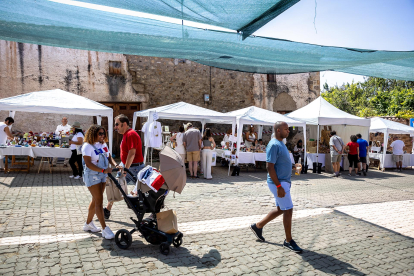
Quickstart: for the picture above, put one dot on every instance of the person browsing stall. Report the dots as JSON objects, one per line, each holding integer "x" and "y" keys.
{"x": 363, "y": 149}
{"x": 192, "y": 144}
{"x": 131, "y": 153}
{"x": 76, "y": 158}
{"x": 207, "y": 153}
{"x": 336, "y": 146}
{"x": 97, "y": 158}
{"x": 397, "y": 153}
{"x": 353, "y": 154}
{"x": 60, "y": 130}
{"x": 178, "y": 137}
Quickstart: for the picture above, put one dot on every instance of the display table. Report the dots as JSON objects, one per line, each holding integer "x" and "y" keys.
{"x": 311, "y": 157}
{"x": 408, "y": 160}
{"x": 247, "y": 157}
{"x": 32, "y": 152}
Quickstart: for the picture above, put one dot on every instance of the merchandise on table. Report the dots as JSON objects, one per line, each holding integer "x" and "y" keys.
{"x": 30, "y": 139}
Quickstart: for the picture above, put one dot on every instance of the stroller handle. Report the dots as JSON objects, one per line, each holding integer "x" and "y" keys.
{"x": 127, "y": 170}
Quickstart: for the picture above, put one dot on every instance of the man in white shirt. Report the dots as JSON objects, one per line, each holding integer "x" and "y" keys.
{"x": 62, "y": 129}
{"x": 397, "y": 153}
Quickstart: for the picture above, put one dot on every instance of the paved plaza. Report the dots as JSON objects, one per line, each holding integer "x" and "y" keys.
{"x": 346, "y": 226}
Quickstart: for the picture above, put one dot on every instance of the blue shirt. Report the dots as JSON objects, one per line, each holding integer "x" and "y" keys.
{"x": 363, "y": 144}
{"x": 278, "y": 154}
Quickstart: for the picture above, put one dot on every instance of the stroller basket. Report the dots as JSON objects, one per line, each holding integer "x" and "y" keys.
{"x": 153, "y": 201}
{"x": 148, "y": 202}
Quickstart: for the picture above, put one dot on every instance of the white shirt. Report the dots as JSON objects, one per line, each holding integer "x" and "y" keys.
{"x": 153, "y": 134}
{"x": 3, "y": 135}
{"x": 179, "y": 140}
{"x": 65, "y": 129}
{"x": 397, "y": 147}
{"x": 88, "y": 150}
{"x": 75, "y": 139}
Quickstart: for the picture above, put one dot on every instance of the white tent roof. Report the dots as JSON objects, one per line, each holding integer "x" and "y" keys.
{"x": 55, "y": 101}
{"x": 58, "y": 101}
{"x": 320, "y": 112}
{"x": 383, "y": 125}
{"x": 260, "y": 116}
{"x": 186, "y": 111}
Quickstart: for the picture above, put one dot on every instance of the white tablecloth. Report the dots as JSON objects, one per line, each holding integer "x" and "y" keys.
{"x": 311, "y": 157}
{"x": 408, "y": 159}
{"x": 248, "y": 157}
{"x": 36, "y": 151}
{"x": 16, "y": 151}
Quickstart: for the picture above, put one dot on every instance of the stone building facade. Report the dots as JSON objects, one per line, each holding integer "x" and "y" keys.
{"x": 129, "y": 83}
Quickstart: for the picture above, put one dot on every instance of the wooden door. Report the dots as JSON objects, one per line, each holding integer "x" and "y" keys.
{"x": 127, "y": 109}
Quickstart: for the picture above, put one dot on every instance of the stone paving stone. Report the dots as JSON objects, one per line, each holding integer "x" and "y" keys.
{"x": 354, "y": 240}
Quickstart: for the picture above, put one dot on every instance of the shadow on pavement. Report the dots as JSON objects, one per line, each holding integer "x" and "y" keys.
{"x": 178, "y": 257}
{"x": 329, "y": 264}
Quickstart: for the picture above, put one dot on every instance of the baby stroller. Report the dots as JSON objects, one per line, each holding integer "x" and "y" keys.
{"x": 148, "y": 202}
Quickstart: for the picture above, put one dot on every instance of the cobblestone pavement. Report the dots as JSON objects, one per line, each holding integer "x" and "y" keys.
{"x": 347, "y": 226}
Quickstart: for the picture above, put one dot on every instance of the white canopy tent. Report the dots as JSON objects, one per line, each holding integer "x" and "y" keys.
{"x": 259, "y": 116}
{"x": 321, "y": 113}
{"x": 184, "y": 111}
{"x": 59, "y": 101}
{"x": 389, "y": 127}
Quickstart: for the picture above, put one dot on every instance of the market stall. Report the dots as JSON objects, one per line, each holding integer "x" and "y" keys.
{"x": 182, "y": 111}
{"x": 321, "y": 113}
{"x": 389, "y": 127}
{"x": 54, "y": 101}
{"x": 259, "y": 116}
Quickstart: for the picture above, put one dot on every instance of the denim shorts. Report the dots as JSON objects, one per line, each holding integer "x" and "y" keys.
{"x": 94, "y": 178}
{"x": 284, "y": 203}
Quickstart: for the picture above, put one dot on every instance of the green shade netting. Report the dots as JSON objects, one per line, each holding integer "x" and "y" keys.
{"x": 246, "y": 16}
{"x": 54, "y": 24}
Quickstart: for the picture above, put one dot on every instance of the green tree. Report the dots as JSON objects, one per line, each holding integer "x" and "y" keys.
{"x": 373, "y": 97}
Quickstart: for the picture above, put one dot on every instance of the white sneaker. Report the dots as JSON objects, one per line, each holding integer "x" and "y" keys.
{"x": 77, "y": 177}
{"x": 91, "y": 227}
{"x": 108, "y": 234}
{"x": 71, "y": 176}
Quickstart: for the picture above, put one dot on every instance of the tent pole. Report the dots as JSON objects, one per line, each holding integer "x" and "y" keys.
{"x": 317, "y": 146}
{"x": 110, "y": 131}
{"x": 11, "y": 114}
{"x": 239, "y": 137}
{"x": 99, "y": 120}
{"x": 384, "y": 153}
{"x": 304, "y": 138}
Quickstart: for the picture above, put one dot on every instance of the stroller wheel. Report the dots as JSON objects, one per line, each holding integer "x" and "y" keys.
{"x": 123, "y": 239}
{"x": 178, "y": 241}
{"x": 165, "y": 248}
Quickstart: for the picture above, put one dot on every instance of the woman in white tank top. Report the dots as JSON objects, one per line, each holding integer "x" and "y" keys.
{"x": 178, "y": 137}
{"x": 250, "y": 137}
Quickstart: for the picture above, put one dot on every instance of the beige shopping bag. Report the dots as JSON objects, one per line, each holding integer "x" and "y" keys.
{"x": 167, "y": 222}
{"x": 113, "y": 194}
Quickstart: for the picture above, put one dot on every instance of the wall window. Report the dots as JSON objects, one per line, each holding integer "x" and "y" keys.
{"x": 115, "y": 68}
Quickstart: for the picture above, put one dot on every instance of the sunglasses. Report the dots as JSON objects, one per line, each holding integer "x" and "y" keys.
{"x": 101, "y": 133}
{"x": 117, "y": 124}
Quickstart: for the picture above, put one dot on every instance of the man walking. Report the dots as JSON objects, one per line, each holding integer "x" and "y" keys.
{"x": 192, "y": 144}
{"x": 336, "y": 146}
{"x": 397, "y": 153}
{"x": 131, "y": 153}
{"x": 363, "y": 149}
{"x": 60, "y": 130}
{"x": 4, "y": 135}
{"x": 279, "y": 168}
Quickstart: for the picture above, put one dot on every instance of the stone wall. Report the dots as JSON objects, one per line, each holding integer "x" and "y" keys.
{"x": 27, "y": 68}
{"x": 150, "y": 81}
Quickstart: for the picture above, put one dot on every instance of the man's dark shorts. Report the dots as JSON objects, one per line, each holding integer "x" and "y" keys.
{"x": 363, "y": 159}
